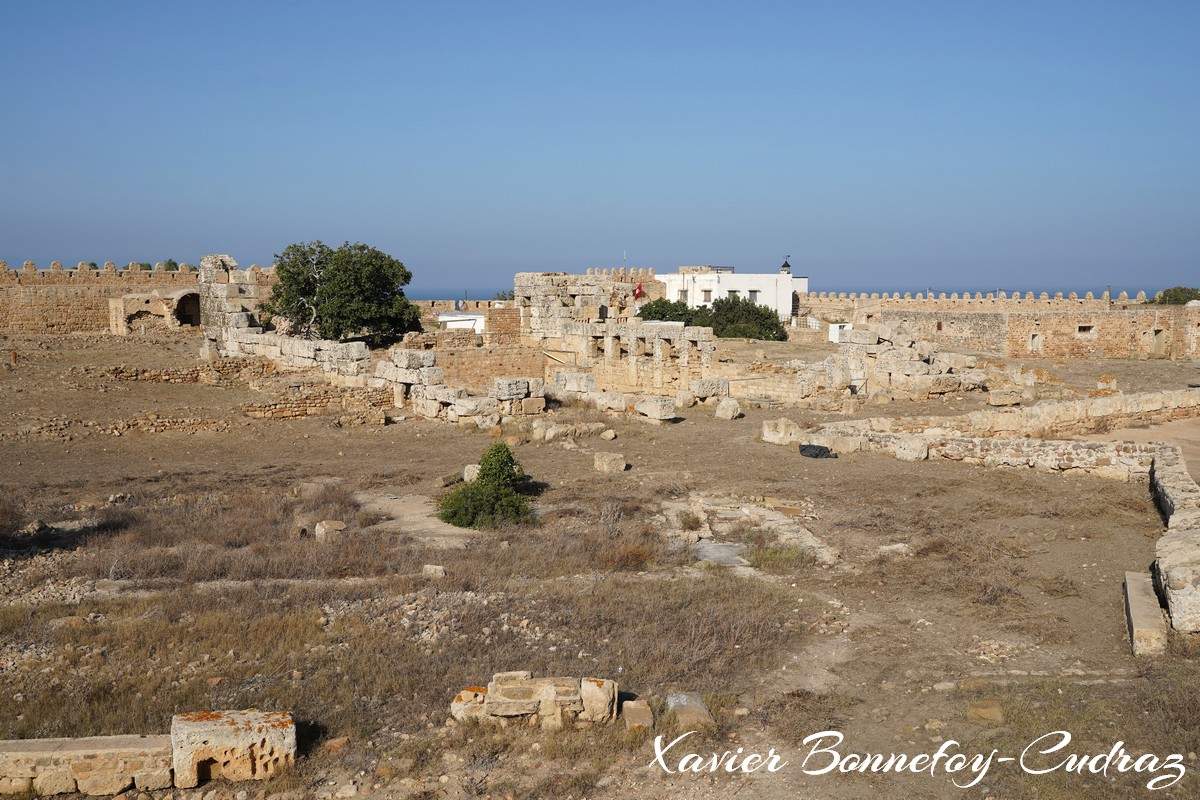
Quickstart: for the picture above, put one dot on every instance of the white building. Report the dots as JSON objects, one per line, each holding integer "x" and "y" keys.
{"x": 700, "y": 286}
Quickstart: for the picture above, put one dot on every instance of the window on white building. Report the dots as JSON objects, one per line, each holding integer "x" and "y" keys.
{"x": 732, "y": 293}
{"x": 708, "y": 296}
{"x": 683, "y": 295}
{"x": 753, "y": 295}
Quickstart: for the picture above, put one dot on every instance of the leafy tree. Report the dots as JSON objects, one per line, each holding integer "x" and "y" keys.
{"x": 668, "y": 311}
{"x": 741, "y": 317}
{"x": 354, "y": 290}
{"x": 1176, "y": 296}
{"x": 145, "y": 266}
{"x": 508, "y": 294}
{"x": 171, "y": 264}
{"x": 494, "y": 498}
{"x": 729, "y": 317}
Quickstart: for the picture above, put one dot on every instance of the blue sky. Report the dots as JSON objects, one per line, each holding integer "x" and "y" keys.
{"x": 884, "y": 146}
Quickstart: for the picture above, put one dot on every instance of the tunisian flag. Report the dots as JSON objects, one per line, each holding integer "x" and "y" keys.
{"x": 638, "y": 293}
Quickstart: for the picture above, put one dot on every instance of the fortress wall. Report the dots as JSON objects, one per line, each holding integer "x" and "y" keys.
{"x": 59, "y": 300}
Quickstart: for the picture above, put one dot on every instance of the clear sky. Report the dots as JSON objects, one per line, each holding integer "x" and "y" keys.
{"x": 883, "y": 145}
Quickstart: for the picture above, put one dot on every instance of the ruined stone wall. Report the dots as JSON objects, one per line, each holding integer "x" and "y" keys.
{"x": 76, "y": 300}
{"x": 1135, "y": 332}
{"x": 475, "y": 368}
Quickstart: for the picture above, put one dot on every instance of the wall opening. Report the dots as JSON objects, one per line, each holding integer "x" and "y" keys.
{"x": 1035, "y": 343}
{"x": 187, "y": 310}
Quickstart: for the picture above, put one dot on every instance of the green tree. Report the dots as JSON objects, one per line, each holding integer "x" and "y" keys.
{"x": 667, "y": 311}
{"x": 729, "y": 317}
{"x": 171, "y": 265}
{"x": 354, "y": 290}
{"x": 507, "y": 294}
{"x": 1176, "y": 296}
{"x": 740, "y": 317}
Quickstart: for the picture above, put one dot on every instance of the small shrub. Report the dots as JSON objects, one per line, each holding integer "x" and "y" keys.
{"x": 492, "y": 500}
{"x": 689, "y": 521}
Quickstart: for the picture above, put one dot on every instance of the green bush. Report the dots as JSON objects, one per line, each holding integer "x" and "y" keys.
{"x": 493, "y": 499}
{"x": 729, "y": 317}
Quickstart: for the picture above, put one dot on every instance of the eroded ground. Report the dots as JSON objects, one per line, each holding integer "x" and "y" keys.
{"x": 174, "y": 570}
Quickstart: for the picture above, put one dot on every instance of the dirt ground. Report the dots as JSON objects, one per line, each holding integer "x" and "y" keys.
{"x": 960, "y": 603}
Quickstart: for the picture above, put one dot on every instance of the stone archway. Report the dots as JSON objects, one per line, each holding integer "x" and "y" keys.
{"x": 187, "y": 310}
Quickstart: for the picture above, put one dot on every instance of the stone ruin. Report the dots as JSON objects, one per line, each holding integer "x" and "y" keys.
{"x": 517, "y": 698}
{"x": 202, "y": 746}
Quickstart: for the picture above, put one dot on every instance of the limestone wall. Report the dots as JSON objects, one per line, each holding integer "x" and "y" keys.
{"x": 76, "y": 300}
{"x": 98, "y": 765}
{"x": 475, "y": 368}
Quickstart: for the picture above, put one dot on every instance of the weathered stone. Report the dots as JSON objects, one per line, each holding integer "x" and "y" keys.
{"x": 537, "y": 387}
{"x": 610, "y": 463}
{"x": 660, "y": 408}
{"x": 608, "y": 435}
{"x": 533, "y": 405}
{"x": 1004, "y": 397}
{"x": 509, "y": 388}
{"x": 728, "y": 409}
{"x": 235, "y": 745}
{"x": 469, "y": 704}
{"x": 513, "y": 677}
{"x": 685, "y": 399}
{"x": 329, "y": 530}
{"x": 511, "y": 699}
{"x": 599, "y": 697}
{"x": 433, "y": 572}
{"x": 781, "y": 431}
{"x": 911, "y": 448}
{"x": 1144, "y": 616}
{"x": 54, "y": 780}
{"x": 1177, "y": 573}
{"x": 637, "y": 715}
{"x": 412, "y": 359}
{"x": 433, "y": 375}
{"x": 691, "y": 712}
{"x": 704, "y": 388}
{"x": 859, "y": 336}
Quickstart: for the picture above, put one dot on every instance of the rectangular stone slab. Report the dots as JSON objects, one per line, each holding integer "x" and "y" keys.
{"x": 1144, "y": 616}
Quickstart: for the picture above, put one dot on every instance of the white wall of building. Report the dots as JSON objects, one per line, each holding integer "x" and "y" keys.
{"x": 773, "y": 290}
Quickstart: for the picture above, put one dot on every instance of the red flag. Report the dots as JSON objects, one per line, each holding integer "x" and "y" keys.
{"x": 637, "y": 293}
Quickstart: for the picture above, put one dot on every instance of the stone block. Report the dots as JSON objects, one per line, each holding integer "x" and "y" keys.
{"x": 433, "y": 572}
{"x": 469, "y": 704}
{"x": 537, "y": 387}
{"x": 511, "y": 699}
{"x": 685, "y": 399}
{"x": 1144, "y": 616}
{"x": 234, "y": 745}
{"x": 55, "y": 779}
{"x": 637, "y": 715}
{"x": 728, "y": 409}
{"x": 691, "y": 712}
{"x": 427, "y": 408}
{"x": 610, "y": 463}
{"x": 533, "y": 405}
{"x": 859, "y": 336}
{"x": 608, "y": 401}
{"x": 445, "y": 394}
{"x": 509, "y": 388}
{"x": 705, "y": 388}
{"x": 1177, "y": 574}
{"x": 911, "y": 448}
{"x": 475, "y": 406}
{"x": 329, "y": 530}
{"x": 660, "y": 408}
{"x": 470, "y": 472}
{"x": 432, "y": 375}
{"x": 412, "y": 359}
{"x": 599, "y": 696}
{"x": 581, "y": 382}
{"x": 1003, "y": 397}
{"x": 781, "y": 431}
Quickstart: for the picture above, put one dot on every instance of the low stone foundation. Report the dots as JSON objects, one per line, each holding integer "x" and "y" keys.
{"x": 95, "y": 765}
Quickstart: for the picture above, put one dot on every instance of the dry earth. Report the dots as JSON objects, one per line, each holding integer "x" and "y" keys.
{"x": 981, "y": 606}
